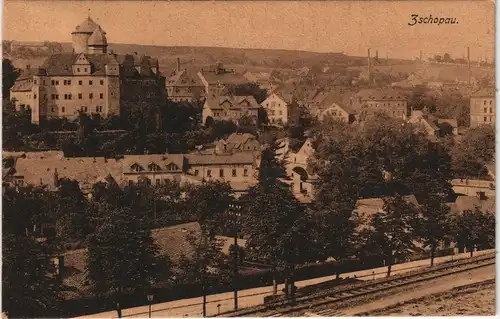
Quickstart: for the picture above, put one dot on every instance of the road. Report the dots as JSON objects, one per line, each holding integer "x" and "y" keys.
{"x": 251, "y": 297}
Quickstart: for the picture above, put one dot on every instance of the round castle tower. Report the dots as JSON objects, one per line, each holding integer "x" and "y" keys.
{"x": 88, "y": 37}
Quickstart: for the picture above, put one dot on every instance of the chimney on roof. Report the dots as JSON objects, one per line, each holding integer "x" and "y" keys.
{"x": 28, "y": 66}
{"x": 481, "y": 195}
{"x": 56, "y": 178}
{"x": 178, "y": 64}
{"x": 369, "y": 67}
{"x": 468, "y": 64}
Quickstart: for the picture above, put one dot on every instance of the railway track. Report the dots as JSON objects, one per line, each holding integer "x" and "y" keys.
{"x": 351, "y": 292}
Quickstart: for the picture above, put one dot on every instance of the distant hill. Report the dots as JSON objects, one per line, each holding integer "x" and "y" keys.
{"x": 239, "y": 59}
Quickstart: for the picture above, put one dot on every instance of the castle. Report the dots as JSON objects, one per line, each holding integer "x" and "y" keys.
{"x": 90, "y": 80}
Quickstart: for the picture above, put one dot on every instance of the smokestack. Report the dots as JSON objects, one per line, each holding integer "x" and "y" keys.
{"x": 468, "y": 64}
{"x": 376, "y": 54}
{"x": 369, "y": 67}
{"x": 178, "y": 64}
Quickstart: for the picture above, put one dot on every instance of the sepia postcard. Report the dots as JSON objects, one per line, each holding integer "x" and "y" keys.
{"x": 248, "y": 158}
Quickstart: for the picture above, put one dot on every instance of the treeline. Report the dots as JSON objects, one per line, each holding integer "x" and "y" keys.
{"x": 352, "y": 163}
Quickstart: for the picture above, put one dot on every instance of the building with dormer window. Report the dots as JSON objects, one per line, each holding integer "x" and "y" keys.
{"x": 90, "y": 79}
{"x": 230, "y": 108}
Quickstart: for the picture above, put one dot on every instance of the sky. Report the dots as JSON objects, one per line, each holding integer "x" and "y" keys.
{"x": 323, "y": 26}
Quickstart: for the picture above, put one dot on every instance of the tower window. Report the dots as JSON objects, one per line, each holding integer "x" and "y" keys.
{"x": 102, "y": 82}
{"x": 90, "y": 82}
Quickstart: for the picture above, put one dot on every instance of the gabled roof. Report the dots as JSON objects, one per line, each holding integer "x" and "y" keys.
{"x": 86, "y": 170}
{"x": 239, "y": 138}
{"x": 225, "y": 78}
{"x": 485, "y": 92}
{"x": 380, "y": 94}
{"x": 183, "y": 78}
{"x": 162, "y": 160}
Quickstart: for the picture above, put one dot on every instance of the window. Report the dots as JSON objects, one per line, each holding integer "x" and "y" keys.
{"x": 81, "y": 83}
{"x": 65, "y": 82}
{"x": 43, "y": 82}
{"x": 101, "y": 96}
{"x": 221, "y": 172}
{"x": 85, "y": 69}
{"x": 172, "y": 167}
{"x": 491, "y": 109}
{"x": 52, "y": 109}
{"x": 485, "y": 110}
{"x": 234, "y": 172}
{"x": 196, "y": 172}
{"x": 90, "y": 82}
{"x": 281, "y": 112}
{"x": 209, "y": 173}
{"x": 91, "y": 96}
{"x": 84, "y": 109}
{"x": 130, "y": 182}
{"x": 57, "y": 96}
{"x": 57, "y": 82}
{"x": 53, "y": 96}
{"x": 78, "y": 69}
{"x": 485, "y": 119}
{"x": 80, "y": 96}
{"x": 69, "y": 82}
{"x": 53, "y": 82}
{"x": 484, "y": 102}
{"x": 158, "y": 182}
{"x": 63, "y": 109}
{"x": 36, "y": 81}
{"x": 491, "y": 101}
{"x": 102, "y": 82}
{"x": 245, "y": 172}
{"x": 97, "y": 108}
{"x": 34, "y": 96}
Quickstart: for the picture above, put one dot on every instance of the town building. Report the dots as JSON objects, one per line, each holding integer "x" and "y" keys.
{"x": 334, "y": 105}
{"x": 216, "y": 78}
{"x": 302, "y": 180}
{"x": 90, "y": 80}
{"x": 265, "y": 80}
{"x": 230, "y": 108}
{"x": 280, "y": 108}
{"x": 482, "y": 107}
{"x": 238, "y": 142}
{"x": 184, "y": 86}
{"x": 473, "y": 187}
{"x": 432, "y": 126}
{"x": 240, "y": 169}
{"x": 383, "y": 100}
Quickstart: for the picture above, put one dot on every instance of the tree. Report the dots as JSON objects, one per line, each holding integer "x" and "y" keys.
{"x": 208, "y": 204}
{"x": 391, "y": 231}
{"x": 475, "y": 229}
{"x": 29, "y": 281}
{"x": 122, "y": 257}
{"x": 275, "y": 223}
{"x": 434, "y": 224}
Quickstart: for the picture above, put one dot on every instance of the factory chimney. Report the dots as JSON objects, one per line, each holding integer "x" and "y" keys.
{"x": 376, "y": 55}
{"x": 178, "y": 64}
{"x": 369, "y": 67}
{"x": 468, "y": 65}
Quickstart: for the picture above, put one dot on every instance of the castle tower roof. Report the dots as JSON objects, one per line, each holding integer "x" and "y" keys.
{"x": 98, "y": 38}
{"x": 87, "y": 26}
